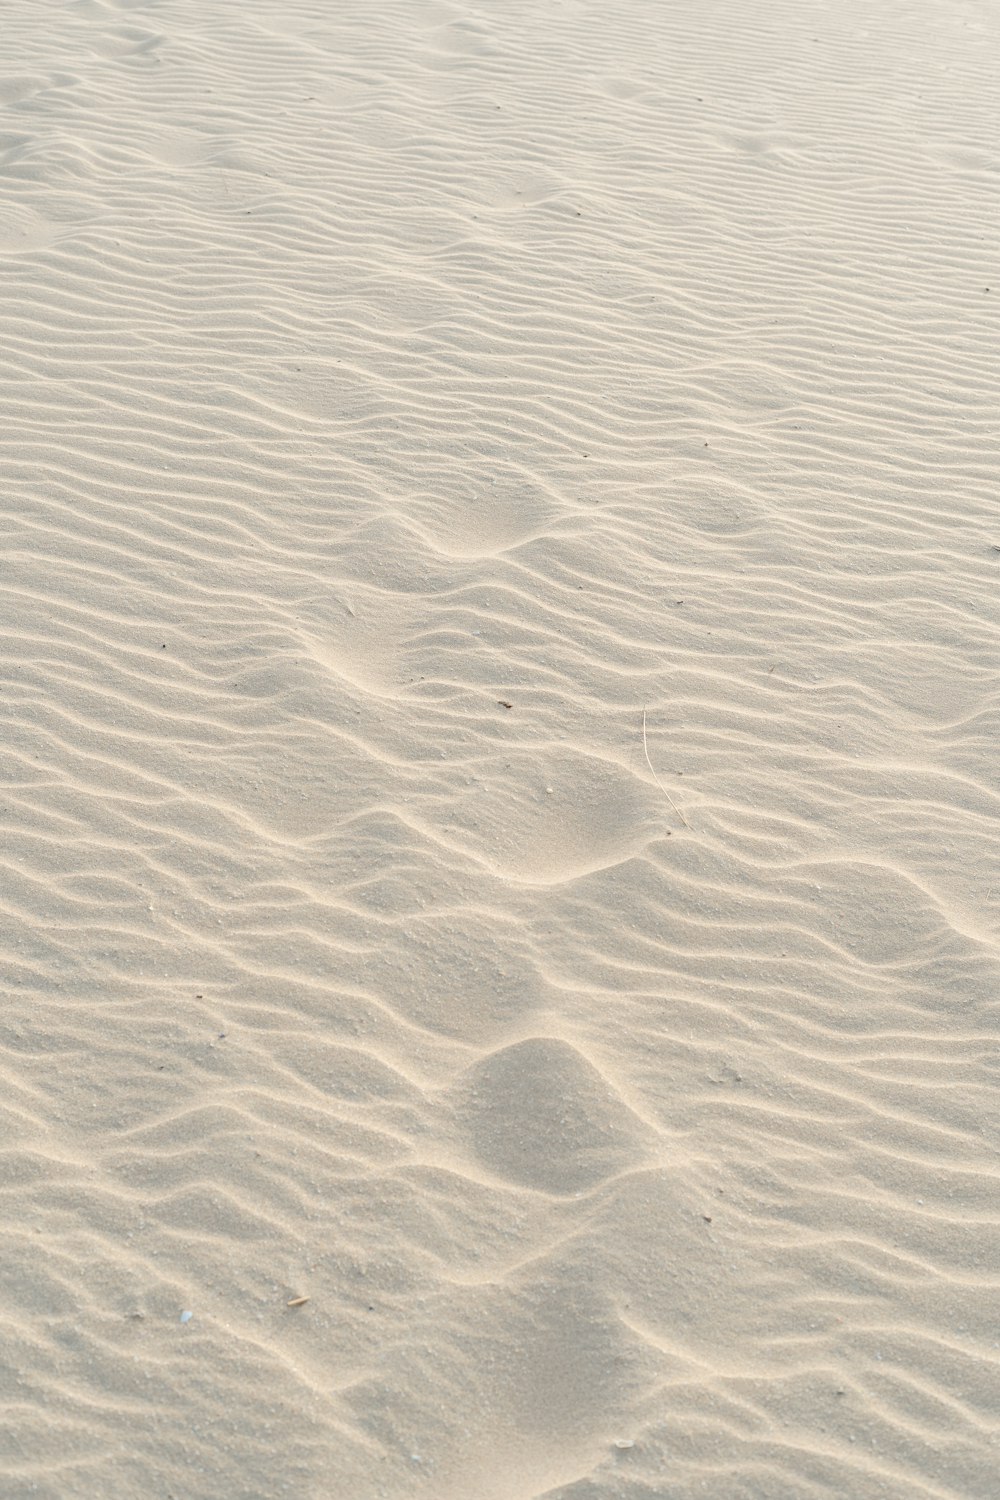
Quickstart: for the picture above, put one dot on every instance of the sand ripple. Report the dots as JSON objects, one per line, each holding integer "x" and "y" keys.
{"x": 400, "y": 402}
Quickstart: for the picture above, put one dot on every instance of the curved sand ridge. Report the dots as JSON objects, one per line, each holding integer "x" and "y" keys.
{"x": 400, "y": 401}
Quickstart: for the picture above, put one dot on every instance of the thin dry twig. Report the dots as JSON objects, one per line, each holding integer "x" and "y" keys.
{"x": 656, "y": 778}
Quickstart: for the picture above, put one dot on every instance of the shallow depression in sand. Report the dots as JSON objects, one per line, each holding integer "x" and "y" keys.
{"x": 551, "y": 818}
{"x": 540, "y": 1114}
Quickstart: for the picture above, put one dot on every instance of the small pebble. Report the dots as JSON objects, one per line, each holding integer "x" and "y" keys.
{"x": 186, "y": 1317}
{"x": 624, "y": 1443}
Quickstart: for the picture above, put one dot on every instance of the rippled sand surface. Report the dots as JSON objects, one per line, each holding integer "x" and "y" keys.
{"x": 500, "y": 691}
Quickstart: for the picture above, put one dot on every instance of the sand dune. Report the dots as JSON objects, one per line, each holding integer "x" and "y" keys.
{"x": 500, "y": 710}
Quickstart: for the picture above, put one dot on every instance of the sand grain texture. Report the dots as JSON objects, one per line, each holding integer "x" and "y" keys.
{"x": 401, "y": 400}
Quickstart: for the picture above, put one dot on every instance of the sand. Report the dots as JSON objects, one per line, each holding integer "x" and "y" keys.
{"x": 404, "y": 404}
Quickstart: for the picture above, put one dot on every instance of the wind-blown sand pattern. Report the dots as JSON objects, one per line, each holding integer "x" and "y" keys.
{"x": 401, "y": 400}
